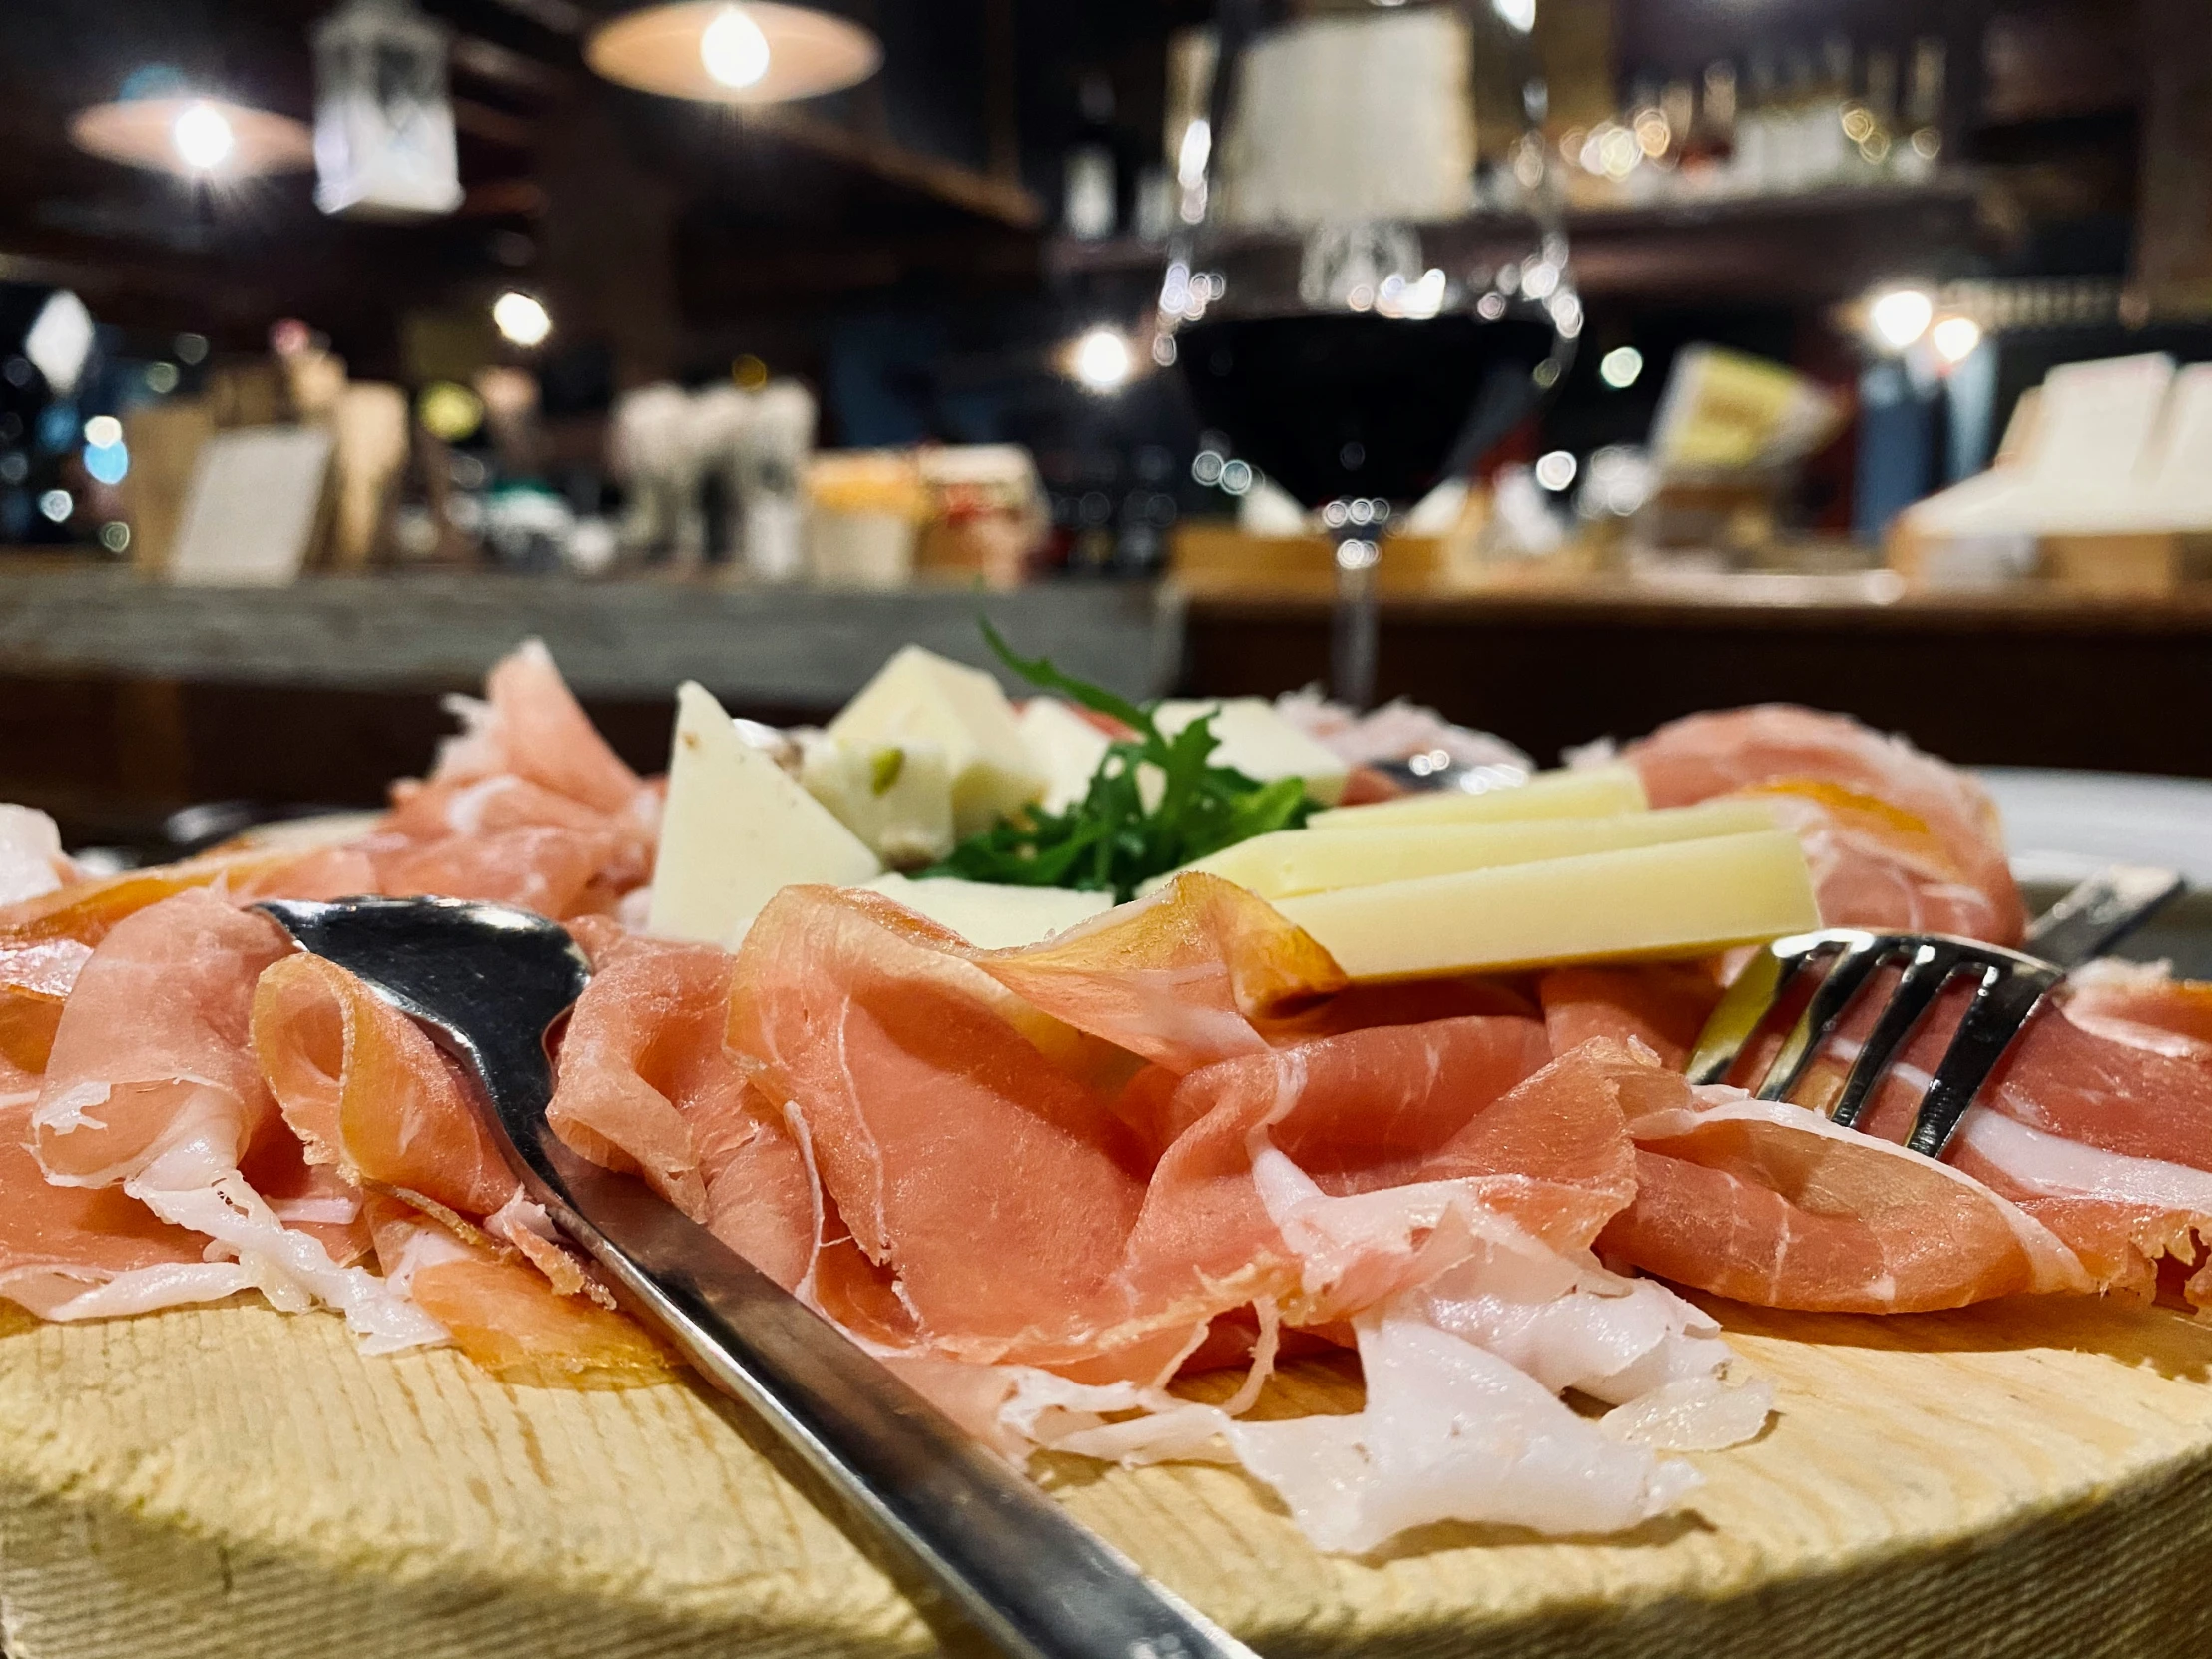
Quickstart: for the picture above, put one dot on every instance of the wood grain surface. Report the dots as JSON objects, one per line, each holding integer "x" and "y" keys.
{"x": 2020, "y": 1479}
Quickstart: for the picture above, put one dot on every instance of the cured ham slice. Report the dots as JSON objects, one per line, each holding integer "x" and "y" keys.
{"x": 1663, "y": 1006}
{"x": 922, "y": 1090}
{"x": 2098, "y": 1123}
{"x": 1432, "y": 1188}
{"x": 530, "y": 726}
{"x": 1770, "y": 1203}
{"x": 1178, "y": 977}
{"x": 504, "y": 1316}
{"x": 367, "y": 1093}
{"x": 152, "y": 1086}
{"x": 1896, "y": 838}
{"x": 647, "y": 1086}
{"x": 527, "y": 807}
{"x": 150, "y": 1051}
{"x": 75, "y": 1253}
{"x": 2097, "y": 1128}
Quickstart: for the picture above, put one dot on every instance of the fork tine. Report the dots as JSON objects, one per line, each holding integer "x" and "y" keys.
{"x": 1999, "y": 1014}
{"x": 1741, "y": 1012}
{"x": 1924, "y": 977}
{"x": 1861, "y": 956}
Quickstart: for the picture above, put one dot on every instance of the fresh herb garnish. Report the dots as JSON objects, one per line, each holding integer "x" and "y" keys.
{"x": 1111, "y": 841}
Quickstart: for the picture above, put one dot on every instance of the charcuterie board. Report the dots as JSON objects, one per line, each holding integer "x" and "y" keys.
{"x": 2023, "y": 1477}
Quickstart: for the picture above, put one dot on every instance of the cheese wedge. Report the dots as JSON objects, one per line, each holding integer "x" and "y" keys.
{"x": 995, "y": 917}
{"x": 918, "y": 693}
{"x": 736, "y": 831}
{"x": 1067, "y": 747}
{"x": 1589, "y": 792}
{"x": 1681, "y": 898}
{"x": 1260, "y": 742}
{"x": 1292, "y": 861}
{"x": 896, "y": 796}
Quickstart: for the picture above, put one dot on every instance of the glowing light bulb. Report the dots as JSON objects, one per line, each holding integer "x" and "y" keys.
{"x": 521, "y": 319}
{"x": 1557, "y": 470}
{"x": 1955, "y": 338}
{"x": 1621, "y": 367}
{"x": 1101, "y": 360}
{"x": 1899, "y": 316}
{"x": 202, "y": 137}
{"x": 733, "y": 49}
{"x": 103, "y": 431}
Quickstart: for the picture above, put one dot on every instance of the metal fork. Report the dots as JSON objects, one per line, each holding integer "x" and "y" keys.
{"x": 2011, "y": 986}
{"x": 489, "y": 984}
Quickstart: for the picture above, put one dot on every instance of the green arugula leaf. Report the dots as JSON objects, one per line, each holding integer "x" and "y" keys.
{"x": 1110, "y": 841}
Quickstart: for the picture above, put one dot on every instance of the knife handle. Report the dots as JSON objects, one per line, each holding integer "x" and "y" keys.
{"x": 1035, "y": 1583}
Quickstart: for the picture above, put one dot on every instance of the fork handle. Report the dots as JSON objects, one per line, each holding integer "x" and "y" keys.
{"x": 2100, "y": 913}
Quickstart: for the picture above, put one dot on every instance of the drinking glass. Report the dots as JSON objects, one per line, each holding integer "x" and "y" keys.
{"x": 1367, "y": 287}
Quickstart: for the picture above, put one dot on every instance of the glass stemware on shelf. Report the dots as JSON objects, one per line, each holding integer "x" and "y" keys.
{"x": 1368, "y": 285}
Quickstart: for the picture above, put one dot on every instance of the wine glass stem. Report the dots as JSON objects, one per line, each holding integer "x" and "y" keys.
{"x": 1353, "y": 624}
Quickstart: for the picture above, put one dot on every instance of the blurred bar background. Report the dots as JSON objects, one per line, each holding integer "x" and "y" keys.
{"x": 342, "y": 345}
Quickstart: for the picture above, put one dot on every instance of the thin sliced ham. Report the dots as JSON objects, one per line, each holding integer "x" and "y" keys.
{"x": 530, "y": 726}
{"x": 504, "y": 1316}
{"x": 1772, "y": 1204}
{"x": 77, "y": 1252}
{"x": 1896, "y": 838}
{"x": 1178, "y": 978}
{"x": 152, "y": 1086}
{"x": 367, "y": 1094}
{"x": 151, "y": 1049}
{"x": 648, "y": 1087}
{"x": 528, "y": 806}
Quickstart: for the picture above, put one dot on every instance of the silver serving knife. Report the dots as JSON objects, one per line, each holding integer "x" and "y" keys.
{"x": 488, "y": 982}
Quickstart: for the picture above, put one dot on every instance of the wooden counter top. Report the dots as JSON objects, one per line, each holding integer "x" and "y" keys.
{"x": 794, "y": 648}
{"x": 1866, "y": 601}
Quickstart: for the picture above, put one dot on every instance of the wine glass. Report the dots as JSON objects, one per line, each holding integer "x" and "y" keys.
{"x": 1369, "y": 286}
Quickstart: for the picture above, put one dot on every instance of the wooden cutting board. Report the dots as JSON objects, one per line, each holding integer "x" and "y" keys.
{"x": 2019, "y": 1480}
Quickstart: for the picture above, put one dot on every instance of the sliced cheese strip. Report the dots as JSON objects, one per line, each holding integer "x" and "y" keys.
{"x": 1259, "y": 743}
{"x": 1684, "y": 899}
{"x": 995, "y": 918}
{"x": 1591, "y": 791}
{"x": 1292, "y": 861}
{"x": 918, "y": 693}
{"x": 737, "y": 830}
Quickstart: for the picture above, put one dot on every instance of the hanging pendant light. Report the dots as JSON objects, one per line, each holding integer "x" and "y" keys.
{"x": 211, "y": 138}
{"x": 722, "y": 51}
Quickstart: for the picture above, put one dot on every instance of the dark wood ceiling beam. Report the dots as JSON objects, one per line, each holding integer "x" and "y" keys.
{"x": 502, "y": 66}
{"x": 494, "y": 126}
{"x": 950, "y": 182}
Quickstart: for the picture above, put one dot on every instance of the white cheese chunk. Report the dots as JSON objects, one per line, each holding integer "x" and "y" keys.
{"x": 737, "y": 828}
{"x": 1066, "y": 746}
{"x": 995, "y": 918}
{"x": 1684, "y": 899}
{"x": 1588, "y": 792}
{"x": 1260, "y": 742}
{"x": 896, "y": 796}
{"x": 918, "y": 693}
{"x": 1292, "y": 861}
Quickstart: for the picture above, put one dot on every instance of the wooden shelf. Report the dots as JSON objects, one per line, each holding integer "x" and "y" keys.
{"x": 1821, "y": 246}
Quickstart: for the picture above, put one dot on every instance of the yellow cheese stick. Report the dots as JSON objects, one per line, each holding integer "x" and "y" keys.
{"x": 1683, "y": 898}
{"x": 1292, "y": 861}
{"x": 1591, "y": 791}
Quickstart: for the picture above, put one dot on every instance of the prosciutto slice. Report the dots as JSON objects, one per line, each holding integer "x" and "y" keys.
{"x": 1897, "y": 839}
{"x": 1080, "y": 1229}
{"x": 2094, "y": 1134}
